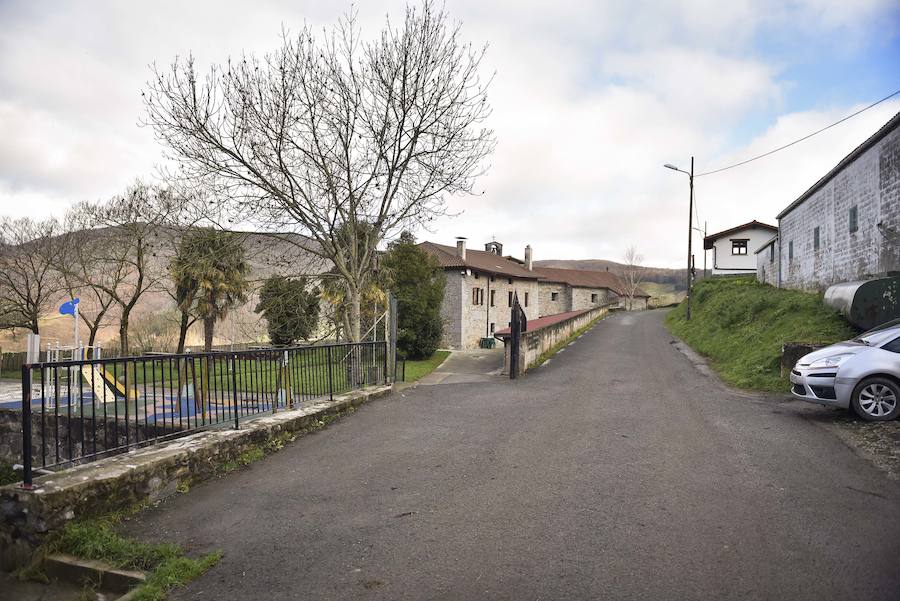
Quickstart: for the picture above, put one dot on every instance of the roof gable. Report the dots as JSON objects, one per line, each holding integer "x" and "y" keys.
{"x": 711, "y": 239}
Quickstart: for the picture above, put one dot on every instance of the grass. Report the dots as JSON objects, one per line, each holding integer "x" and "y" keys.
{"x": 741, "y": 325}
{"x": 165, "y": 564}
{"x": 421, "y": 368}
{"x": 7, "y": 474}
{"x": 662, "y": 294}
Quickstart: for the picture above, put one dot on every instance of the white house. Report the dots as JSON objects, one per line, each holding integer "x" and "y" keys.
{"x": 733, "y": 249}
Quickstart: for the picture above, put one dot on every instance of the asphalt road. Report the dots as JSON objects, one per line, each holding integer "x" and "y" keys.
{"x": 616, "y": 471}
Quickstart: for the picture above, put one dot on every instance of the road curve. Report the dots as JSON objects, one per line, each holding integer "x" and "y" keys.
{"x": 616, "y": 471}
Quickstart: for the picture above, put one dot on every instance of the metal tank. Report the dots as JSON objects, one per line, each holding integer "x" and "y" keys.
{"x": 866, "y": 303}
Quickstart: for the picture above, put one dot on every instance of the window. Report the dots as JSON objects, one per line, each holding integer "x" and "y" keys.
{"x": 492, "y": 327}
{"x": 477, "y": 296}
{"x": 594, "y": 298}
{"x": 817, "y": 239}
{"x": 492, "y": 297}
{"x": 509, "y": 281}
{"x": 526, "y": 299}
{"x": 892, "y": 346}
{"x": 791, "y": 250}
{"x": 739, "y": 247}
{"x": 509, "y": 299}
{"x": 554, "y": 296}
{"x": 772, "y": 253}
{"x": 854, "y": 219}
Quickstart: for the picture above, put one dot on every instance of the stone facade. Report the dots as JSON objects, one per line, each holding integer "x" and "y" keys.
{"x": 820, "y": 245}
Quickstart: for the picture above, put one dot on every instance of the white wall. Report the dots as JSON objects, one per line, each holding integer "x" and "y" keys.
{"x": 724, "y": 263}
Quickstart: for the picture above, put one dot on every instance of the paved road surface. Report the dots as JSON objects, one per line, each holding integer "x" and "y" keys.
{"x": 467, "y": 367}
{"x": 613, "y": 472}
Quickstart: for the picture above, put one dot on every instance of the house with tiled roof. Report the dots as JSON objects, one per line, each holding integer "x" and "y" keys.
{"x": 564, "y": 290}
{"x": 481, "y": 285}
{"x": 733, "y": 249}
{"x": 480, "y": 289}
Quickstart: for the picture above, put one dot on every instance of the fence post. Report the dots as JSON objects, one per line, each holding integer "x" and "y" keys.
{"x": 330, "y": 377}
{"x": 27, "y": 458}
{"x": 234, "y": 392}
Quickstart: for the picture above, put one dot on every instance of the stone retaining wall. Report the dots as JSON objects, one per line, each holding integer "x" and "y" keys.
{"x": 536, "y": 342}
{"x": 114, "y": 483}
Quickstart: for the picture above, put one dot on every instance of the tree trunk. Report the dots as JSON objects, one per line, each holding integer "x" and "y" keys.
{"x": 355, "y": 315}
{"x": 123, "y": 332}
{"x": 182, "y": 331}
{"x": 209, "y": 324}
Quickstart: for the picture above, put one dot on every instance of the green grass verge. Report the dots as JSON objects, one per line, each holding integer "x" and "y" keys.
{"x": 166, "y": 565}
{"x": 419, "y": 369}
{"x": 741, "y": 325}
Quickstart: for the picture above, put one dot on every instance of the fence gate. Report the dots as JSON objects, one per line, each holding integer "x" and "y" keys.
{"x": 518, "y": 324}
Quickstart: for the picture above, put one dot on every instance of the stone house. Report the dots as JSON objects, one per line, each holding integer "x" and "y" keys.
{"x": 733, "y": 249}
{"x": 480, "y": 289}
{"x": 767, "y": 261}
{"x": 563, "y": 290}
{"x": 846, "y": 226}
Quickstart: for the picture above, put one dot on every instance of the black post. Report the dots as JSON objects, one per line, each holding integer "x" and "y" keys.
{"x": 384, "y": 374}
{"x": 330, "y": 377}
{"x": 690, "y": 232}
{"x": 26, "y": 428}
{"x": 234, "y": 393}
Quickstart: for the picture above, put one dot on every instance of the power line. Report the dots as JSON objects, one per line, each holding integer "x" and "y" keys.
{"x": 806, "y": 137}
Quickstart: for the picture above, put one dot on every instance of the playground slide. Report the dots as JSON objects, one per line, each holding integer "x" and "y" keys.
{"x": 105, "y": 387}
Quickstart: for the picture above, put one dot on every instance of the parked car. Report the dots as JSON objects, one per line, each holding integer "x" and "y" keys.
{"x": 862, "y": 373}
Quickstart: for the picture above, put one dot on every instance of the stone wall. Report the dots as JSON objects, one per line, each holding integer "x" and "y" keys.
{"x": 548, "y": 306}
{"x": 116, "y": 483}
{"x": 767, "y": 264}
{"x": 476, "y": 319}
{"x": 451, "y": 309}
{"x": 536, "y": 342}
{"x": 56, "y": 433}
{"x": 871, "y": 183}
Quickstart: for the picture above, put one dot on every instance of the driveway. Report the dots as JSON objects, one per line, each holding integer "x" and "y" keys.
{"x": 482, "y": 365}
{"x": 616, "y": 471}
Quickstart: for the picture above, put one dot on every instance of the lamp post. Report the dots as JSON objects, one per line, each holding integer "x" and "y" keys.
{"x": 690, "y": 175}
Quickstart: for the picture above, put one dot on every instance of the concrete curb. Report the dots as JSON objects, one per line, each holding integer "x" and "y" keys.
{"x": 147, "y": 474}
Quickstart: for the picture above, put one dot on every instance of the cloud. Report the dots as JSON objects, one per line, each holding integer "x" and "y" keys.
{"x": 589, "y": 99}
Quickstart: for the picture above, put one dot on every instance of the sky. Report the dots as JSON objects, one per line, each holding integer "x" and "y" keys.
{"x": 589, "y": 100}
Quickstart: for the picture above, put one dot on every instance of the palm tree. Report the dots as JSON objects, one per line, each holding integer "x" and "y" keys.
{"x": 210, "y": 275}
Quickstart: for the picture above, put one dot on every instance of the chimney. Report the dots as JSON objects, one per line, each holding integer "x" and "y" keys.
{"x": 528, "y": 258}
{"x": 461, "y": 247}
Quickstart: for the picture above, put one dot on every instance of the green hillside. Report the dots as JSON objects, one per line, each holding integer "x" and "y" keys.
{"x": 741, "y": 325}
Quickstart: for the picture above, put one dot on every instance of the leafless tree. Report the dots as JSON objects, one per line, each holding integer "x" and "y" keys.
{"x": 30, "y": 276}
{"x": 137, "y": 224}
{"x": 341, "y": 140}
{"x": 633, "y": 272}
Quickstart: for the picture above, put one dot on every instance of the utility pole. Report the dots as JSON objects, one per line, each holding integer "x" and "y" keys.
{"x": 704, "y": 250}
{"x": 690, "y": 238}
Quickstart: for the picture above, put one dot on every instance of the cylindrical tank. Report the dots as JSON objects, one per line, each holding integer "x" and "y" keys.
{"x": 867, "y": 303}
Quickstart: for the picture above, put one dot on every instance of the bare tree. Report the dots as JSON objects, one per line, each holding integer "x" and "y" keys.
{"x": 341, "y": 140}
{"x": 30, "y": 276}
{"x": 136, "y": 227}
{"x": 633, "y": 272}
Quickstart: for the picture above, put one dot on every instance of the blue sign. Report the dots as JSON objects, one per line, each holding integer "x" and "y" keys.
{"x": 68, "y": 307}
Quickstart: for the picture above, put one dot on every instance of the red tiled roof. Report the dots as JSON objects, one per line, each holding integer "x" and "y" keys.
{"x": 709, "y": 240}
{"x": 479, "y": 260}
{"x": 542, "y": 322}
{"x": 585, "y": 278}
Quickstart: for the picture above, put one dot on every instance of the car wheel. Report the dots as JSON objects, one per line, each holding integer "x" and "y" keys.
{"x": 876, "y": 399}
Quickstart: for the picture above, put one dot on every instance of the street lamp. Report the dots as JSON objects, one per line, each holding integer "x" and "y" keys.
{"x": 690, "y": 175}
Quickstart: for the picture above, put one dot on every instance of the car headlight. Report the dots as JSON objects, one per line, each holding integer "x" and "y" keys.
{"x": 832, "y": 361}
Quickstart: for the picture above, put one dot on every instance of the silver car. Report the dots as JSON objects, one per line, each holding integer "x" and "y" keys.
{"x": 863, "y": 373}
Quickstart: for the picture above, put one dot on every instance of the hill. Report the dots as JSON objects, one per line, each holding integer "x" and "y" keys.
{"x": 659, "y": 275}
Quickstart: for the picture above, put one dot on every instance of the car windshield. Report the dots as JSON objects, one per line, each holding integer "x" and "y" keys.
{"x": 865, "y": 337}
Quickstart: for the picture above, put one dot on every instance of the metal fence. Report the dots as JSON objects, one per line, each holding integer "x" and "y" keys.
{"x": 82, "y": 410}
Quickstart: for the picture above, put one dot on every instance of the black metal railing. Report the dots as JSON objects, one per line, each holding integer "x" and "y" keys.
{"x": 77, "y": 411}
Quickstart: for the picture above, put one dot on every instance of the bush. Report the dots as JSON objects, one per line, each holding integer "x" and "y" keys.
{"x": 290, "y": 308}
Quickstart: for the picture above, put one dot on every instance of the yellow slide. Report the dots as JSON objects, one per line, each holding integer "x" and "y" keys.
{"x": 106, "y": 388}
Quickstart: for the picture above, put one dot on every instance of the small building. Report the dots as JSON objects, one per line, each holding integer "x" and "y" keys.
{"x": 846, "y": 226}
{"x": 767, "y": 262}
{"x": 733, "y": 249}
{"x": 565, "y": 290}
{"x": 480, "y": 289}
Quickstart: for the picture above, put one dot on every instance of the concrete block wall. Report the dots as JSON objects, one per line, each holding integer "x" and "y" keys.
{"x": 871, "y": 183}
